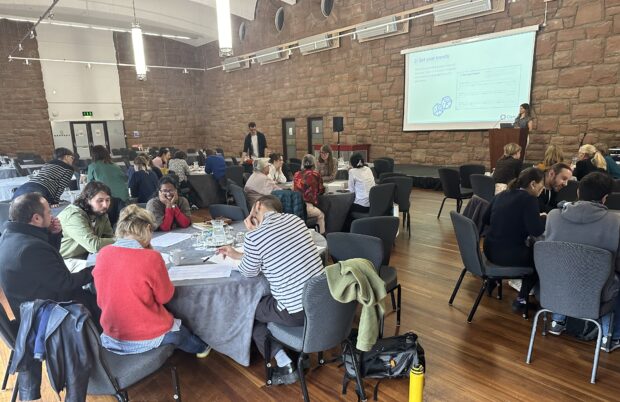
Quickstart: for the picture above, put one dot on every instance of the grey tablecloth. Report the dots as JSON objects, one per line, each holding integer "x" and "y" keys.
{"x": 206, "y": 189}
{"x": 8, "y": 186}
{"x": 220, "y": 311}
{"x": 8, "y": 172}
{"x": 336, "y": 207}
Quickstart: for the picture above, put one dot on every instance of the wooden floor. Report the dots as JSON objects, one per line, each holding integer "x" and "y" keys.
{"x": 481, "y": 361}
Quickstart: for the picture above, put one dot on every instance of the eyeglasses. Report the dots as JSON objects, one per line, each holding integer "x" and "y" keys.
{"x": 167, "y": 191}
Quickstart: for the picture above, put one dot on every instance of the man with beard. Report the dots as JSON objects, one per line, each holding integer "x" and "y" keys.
{"x": 556, "y": 178}
{"x": 30, "y": 265}
{"x": 86, "y": 227}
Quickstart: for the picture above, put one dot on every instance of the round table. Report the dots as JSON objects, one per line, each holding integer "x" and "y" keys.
{"x": 8, "y": 172}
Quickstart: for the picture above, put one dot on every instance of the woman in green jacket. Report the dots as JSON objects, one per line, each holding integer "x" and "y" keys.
{"x": 105, "y": 171}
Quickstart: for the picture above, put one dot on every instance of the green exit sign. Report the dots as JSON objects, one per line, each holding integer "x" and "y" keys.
{"x": 87, "y": 114}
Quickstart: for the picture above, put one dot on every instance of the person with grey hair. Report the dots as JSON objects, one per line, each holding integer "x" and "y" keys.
{"x": 31, "y": 266}
{"x": 260, "y": 183}
{"x": 310, "y": 184}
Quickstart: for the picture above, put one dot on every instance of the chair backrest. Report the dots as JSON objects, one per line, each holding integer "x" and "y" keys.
{"x": 220, "y": 151}
{"x": 8, "y": 329}
{"x": 404, "y": 185}
{"x": 483, "y": 186}
{"x": 239, "y": 197}
{"x": 381, "y": 166}
{"x": 568, "y": 193}
{"x": 191, "y": 150}
{"x": 450, "y": 182}
{"x": 572, "y": 277}
{"x": 381, "y": 198}
{"x": 467, "y": 170}
{"x": 613, "y": 201}
{"x": 383, "y": 227}
{"x": 295, "y": 160}
{"x": 390, "y": 161}
{"x": 327, "y": 321}
{"x": 344, "y": 246}
{"x": 229, "y": 211}
{"x": 295, "y": 167}
{"x": 235, "y": 173}
{"x": 469, "y": 243}
{"x": 385, "y": 175}
{"x": 616, "y": 186}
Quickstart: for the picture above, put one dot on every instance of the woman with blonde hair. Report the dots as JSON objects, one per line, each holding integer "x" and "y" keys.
{"x": 589, "y": 160}
{"x": 133, "y": 286}
{"x": 326, "y": 164}
{"x": 612, "y": 167}
{"x": 509, "y": 165}
{"x": 553, "y": 155}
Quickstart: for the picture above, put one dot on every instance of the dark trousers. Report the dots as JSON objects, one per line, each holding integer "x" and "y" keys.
{"x": 267, "y": 311}
{"x": 354, "y": 208}
{"x": 522, "y": 256}
{"x": 32, "y": 187}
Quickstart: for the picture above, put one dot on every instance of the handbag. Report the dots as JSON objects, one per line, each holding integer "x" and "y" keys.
{"x": 392, "y": 357}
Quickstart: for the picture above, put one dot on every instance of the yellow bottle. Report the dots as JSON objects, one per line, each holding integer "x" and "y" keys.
{"x": 416, "y": 384}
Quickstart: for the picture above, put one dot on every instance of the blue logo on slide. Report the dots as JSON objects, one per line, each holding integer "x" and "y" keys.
{"x": 443, "y": 105}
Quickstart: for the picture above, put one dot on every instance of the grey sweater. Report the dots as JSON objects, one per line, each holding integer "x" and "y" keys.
{"x": 589, "y": 223}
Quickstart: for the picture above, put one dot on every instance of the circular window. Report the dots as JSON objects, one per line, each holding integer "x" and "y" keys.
{"x": 279, "y": 19}
{"x": 242, "y": 31}
{"x": 326, "y": 7}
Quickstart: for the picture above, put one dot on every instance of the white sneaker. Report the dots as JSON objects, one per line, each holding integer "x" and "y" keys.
{"x": 204, "y": 353}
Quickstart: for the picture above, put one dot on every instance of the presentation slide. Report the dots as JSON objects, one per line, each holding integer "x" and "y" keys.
{"x": 474, "y": 83}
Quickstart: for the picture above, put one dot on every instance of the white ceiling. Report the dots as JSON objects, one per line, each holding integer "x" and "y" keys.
{"x": 192, "y": 18}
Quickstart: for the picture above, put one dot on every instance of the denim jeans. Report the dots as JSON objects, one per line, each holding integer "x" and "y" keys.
{"x": 186, "y": 341}
{"x": 604, "y": 321}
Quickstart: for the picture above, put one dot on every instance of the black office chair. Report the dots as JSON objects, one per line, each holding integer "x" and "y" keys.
{"x": 385, "y": 228}
{"x": 613, "y": 201}
{"x": 568, "y": 193}
{"x": 295, "y": 160}
{"x": 451, "y": 186}
{"x": 381, "y": 166}
{"x": 229, "y": 211}
{"x": 235, "y": 173}
{"x": 483, "y": 186}
{"x": 381, "y": 198}
{"x": 404, "y": 185}
{"x": 8, "y": 333}
{"x": 239, "y": 196}
{"x": 467, "y": 170}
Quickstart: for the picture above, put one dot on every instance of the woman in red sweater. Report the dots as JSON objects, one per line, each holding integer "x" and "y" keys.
{"x": 169, "y": 209}
{"x": 132, "y": 287}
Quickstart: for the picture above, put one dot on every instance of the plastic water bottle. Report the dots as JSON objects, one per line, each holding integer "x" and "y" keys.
{"x": 416, "y": 384}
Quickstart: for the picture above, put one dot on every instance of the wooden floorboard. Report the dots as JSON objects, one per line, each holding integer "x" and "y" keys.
{"x": 481, "y": 361}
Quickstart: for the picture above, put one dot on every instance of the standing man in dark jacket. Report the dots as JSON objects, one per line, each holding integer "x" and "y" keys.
{"x": 255, "y": 143}
{"x": 31, "y": 266}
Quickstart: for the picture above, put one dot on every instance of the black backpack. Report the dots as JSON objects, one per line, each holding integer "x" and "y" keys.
{"x": 392, "y": 357}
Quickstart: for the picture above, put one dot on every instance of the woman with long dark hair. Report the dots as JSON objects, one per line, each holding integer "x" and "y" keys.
{"x": 326, "y": 164}
{"x": 102, "y": 169}
{"x": 524, "y": 119}
{"x": 513, "y": 217}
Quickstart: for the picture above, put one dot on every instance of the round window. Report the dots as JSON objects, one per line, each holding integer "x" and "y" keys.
{"x": 279, "y": 20}
{"x": 242, "y": 31}
{"x": 326, "y": 7}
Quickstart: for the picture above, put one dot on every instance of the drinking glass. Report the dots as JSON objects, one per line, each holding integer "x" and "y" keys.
{"x": 219, "y": 234}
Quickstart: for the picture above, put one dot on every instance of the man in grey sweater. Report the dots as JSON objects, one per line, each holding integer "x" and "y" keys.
{"x": 588, "y": 221}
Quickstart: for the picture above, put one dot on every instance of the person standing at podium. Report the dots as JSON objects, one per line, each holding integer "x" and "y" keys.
{"x": 524, "y": 119}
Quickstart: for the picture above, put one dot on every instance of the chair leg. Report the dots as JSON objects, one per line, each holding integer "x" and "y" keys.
{"x": 499, "y": 290}
{"x": 597, "y": 351}
{"x": 6, "y": 372}
{"x": 302, "y": 378}
{"x": 544, "y": 328}
{"x": 268, "y": 366}
{"x": 459, "y": 203}
{"x": 393, "y": 300}
{"x": 398, "y": 300}
{"x": 440, "y": 208}
{"x": 530, "y": 348}
{"x": 409, "y": 224}
{"x": 485, "y": 283}
{"x": 176, "y": 389}
{"x": 458, "y": 285}
{"x": 15, "y": 389}
{"x": 358, "y": 378}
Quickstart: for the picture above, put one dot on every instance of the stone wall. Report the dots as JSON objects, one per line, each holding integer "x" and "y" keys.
{"x": 166, "y": 108}
{"x": 575, "y": 85}
{"x": 24, "y": 119}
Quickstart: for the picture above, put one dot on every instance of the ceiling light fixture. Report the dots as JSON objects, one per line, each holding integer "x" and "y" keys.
{"x": 224, "y": 30}
{"x": 138, "y": 46}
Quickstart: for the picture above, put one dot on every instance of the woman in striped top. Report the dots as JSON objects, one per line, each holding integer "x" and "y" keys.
{"x": 52, "y": 179}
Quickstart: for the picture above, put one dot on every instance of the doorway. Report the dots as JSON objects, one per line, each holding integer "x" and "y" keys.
{"x": 289, "y": 139}
{"x": 86, "y": 135}
{"x": 315, "y": 132}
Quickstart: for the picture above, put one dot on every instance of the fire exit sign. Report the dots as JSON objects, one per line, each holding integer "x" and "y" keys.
{"x": 87, "y": 114}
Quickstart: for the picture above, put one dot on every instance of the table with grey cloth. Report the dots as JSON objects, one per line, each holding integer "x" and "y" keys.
{"x": 336, "y": 207}
{"x": 207, "y": 190}
{"x": 8, "y": 172}
{"x": 8, "y": 187}
{"x": 220, "y": 311}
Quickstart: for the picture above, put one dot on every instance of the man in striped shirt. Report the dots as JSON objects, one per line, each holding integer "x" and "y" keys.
{"x": 281, "y": 247}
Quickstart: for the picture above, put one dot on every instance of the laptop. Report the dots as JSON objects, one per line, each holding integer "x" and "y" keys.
{"x": 506, "y": 125}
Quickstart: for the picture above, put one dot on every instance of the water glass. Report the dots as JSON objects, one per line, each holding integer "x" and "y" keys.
{"x": 175, "y": 257}
{"x": 239, "y": 238}
{"x": 197, "y": 241}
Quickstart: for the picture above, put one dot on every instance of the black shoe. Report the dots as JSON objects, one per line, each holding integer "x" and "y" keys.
{"x": 518, "y": 306}
{"x": 284, "y": 375}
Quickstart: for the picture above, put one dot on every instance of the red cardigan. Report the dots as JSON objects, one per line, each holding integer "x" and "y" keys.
{"x": 132, "y": 287}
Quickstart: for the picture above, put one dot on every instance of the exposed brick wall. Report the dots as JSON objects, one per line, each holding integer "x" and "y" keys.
{"x": 24, "y": 119}
{"x": 575, "y": 85}
{"x": 166, "y": 108}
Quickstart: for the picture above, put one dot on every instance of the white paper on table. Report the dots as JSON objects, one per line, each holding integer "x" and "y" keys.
{"x": 169, "y": 239}
{"x": 199, "y": 272}
{"x": 166, "y": 258}
{"x": 220, "y": 260}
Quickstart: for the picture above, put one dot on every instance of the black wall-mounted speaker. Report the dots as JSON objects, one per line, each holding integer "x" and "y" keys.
{"x": 338, "y": 124}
